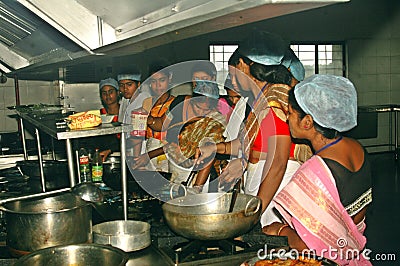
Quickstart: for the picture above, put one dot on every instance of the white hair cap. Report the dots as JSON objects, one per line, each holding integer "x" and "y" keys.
{"x": 330, "y": 100}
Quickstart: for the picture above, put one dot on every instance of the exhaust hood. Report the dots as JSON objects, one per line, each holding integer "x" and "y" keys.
{"x": 37, "y": 37}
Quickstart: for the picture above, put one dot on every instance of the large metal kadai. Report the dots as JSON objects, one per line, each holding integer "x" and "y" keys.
{"x": 207, "y": 217}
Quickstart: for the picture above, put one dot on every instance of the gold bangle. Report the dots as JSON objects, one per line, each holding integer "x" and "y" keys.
{"x": 281, "y": 228}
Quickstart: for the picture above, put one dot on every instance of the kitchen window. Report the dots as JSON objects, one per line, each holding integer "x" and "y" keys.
{"x": 219, "y": 55}
{"x": 317, "y": 58}
{"x": 321, "y": 58}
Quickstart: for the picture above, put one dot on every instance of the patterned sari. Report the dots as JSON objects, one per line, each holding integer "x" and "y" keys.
{"x": 311, "y": 205}
{"x": 275, "y": 97}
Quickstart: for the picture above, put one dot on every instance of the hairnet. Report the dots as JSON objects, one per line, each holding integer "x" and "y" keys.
{"x": 330, "y": 100}
{"x": 207, "y": 88}
{"x": 264, "y": 48}
{"x": 135, "y": 77}
{"x": 292, "y": 62}
{"x": 108, "y": 81}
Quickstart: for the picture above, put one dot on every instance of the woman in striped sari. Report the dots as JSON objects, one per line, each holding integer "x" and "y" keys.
{"x": 324, "y": 204}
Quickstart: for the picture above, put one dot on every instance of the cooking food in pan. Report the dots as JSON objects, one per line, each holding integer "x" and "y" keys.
{"x": 288, "y": 260}
{"x": 192, "y": 135}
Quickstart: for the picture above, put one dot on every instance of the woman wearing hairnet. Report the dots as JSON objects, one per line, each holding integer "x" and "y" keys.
{"x": 325, "y": 202}
{"x": 265, "y": 142}
{"x": 185, "y": 113}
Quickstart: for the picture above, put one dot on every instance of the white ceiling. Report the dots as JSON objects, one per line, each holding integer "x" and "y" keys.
{"x": 57, "y": 31}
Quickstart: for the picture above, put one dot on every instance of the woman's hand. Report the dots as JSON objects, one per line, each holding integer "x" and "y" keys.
{"x": 231, "y": 174}
{"x": 140, "y": 161}
{"x": 203, "y": 153}
{"x": 273, "y": 229}
{"x": 104, "y": 154}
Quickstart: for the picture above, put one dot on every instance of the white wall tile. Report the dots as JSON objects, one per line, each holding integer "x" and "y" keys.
{"x": 369, "y": 64}
{"x": 383, "y": 83}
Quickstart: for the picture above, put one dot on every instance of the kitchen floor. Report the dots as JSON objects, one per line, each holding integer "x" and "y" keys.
{"x": 383, "y": 217}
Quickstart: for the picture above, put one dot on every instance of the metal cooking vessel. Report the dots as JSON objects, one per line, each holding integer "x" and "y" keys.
{"x": 51, "y": 168}
{"x": 82, "y": 255}
{"x": 206, "y": 217}
{"x": 127, "y": 235}
{"x": 55, "y": 173}
{"x": 36, "y": 224}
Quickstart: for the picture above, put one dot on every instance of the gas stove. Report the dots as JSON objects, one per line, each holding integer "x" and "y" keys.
{"x": 167, "y": 248}
{"x": 178, "y": 250}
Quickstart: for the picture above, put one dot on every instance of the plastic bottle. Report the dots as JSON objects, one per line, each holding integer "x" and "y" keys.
{"x": 97, "y": 167}
{"x": 139, "y": 122}
{"x": 84, "y": 166}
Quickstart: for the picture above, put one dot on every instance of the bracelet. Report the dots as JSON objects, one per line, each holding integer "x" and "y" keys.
{"x": 152, "y": 123}
{"x": 281, "y": 228}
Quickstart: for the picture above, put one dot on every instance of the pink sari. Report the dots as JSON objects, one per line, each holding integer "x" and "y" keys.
{"x": 311, "y": 205}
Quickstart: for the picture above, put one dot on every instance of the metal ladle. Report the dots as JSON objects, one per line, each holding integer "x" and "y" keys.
{"x": 235, "y": 193}
{"x": 86, "y": 191}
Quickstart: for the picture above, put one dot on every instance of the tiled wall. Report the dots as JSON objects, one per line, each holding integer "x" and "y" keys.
{"x": 374, "y": 68}
{"x": 31, "y": 92}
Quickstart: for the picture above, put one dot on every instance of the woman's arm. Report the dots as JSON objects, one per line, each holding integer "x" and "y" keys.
{"x": 202, "y": 175}
{"x": 156, "y": 123}
{"x": 274, "y": 168}
{"x": 143, "y": 159}
{"x": 280, "y": 229}
{"x": 204, "y": 152}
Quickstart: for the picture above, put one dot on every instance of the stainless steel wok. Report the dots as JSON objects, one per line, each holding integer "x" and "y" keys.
{"x": 207, "y": 217}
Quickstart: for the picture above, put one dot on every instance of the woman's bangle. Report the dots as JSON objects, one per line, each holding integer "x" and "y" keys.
{"x": 153, "y": 122}
{"x": 281, "y": 228}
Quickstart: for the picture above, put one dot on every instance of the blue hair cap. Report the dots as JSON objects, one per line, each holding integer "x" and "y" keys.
{"x": 108, "y": 81}
{"x": 264, "y": 48}
{"x": 135, "y": 77}
{"x": 330, "y": 100}
{"x": 207, "y": 88}
{"x": 292, "y": 62}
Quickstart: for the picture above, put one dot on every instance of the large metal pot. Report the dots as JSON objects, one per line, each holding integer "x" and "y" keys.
{"x": 36, "y": 224}
{"x": 127, "y": 235}
{"x": 55, "y": 173}
{"x": 82, "y": 255}
{"x": 207, "y": 217}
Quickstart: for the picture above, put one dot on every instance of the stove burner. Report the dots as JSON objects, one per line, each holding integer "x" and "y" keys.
{"x": 183, "y": 251}
{"x": 198, "y": 249}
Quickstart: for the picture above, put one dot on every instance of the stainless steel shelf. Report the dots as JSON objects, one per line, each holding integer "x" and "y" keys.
{"x": 47, "y": 123}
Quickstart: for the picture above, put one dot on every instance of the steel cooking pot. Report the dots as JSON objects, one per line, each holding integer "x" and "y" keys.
{"x": 207, "y": 217}
{"x": 127, "y": 235}
{"x": 35, "y": 224}
{"x": 55, "y": 173}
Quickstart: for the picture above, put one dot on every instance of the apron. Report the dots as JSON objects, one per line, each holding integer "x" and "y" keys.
{"x": 253, "y": 181}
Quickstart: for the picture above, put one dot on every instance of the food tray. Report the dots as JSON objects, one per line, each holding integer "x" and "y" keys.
{"x": 286, "y": 257}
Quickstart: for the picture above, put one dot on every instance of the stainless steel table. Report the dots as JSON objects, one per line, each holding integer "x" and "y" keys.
{"x": 47, "y": 124}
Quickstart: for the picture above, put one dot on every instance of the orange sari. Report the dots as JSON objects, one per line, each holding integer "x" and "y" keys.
{"x": 158, "y": 111}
